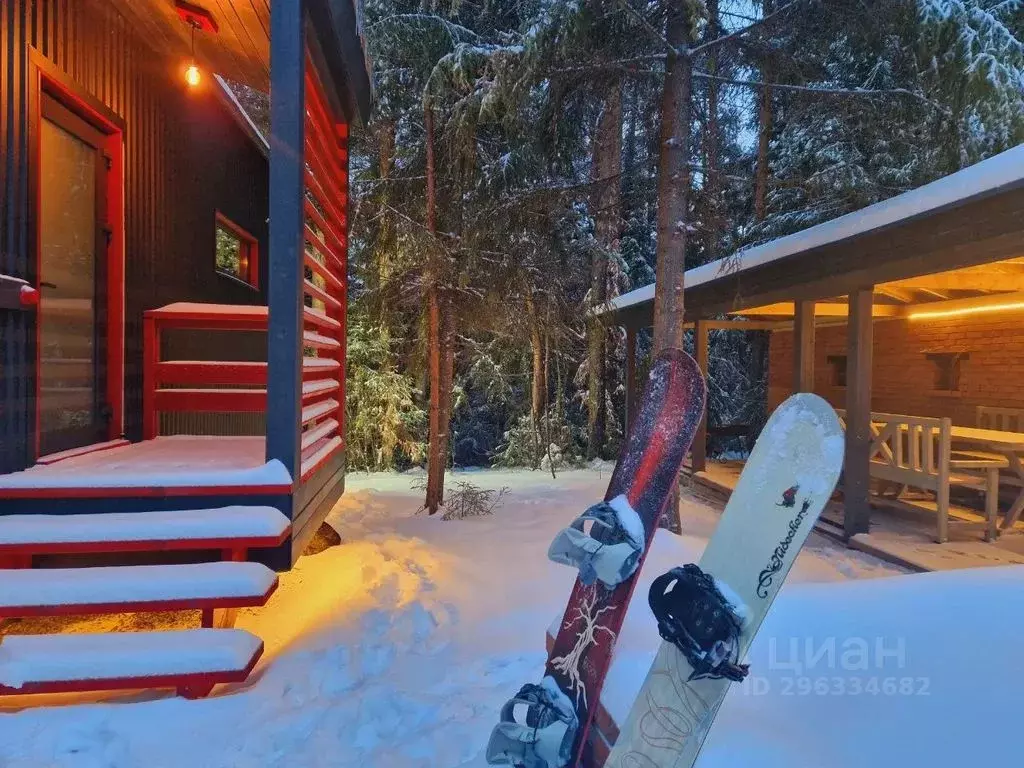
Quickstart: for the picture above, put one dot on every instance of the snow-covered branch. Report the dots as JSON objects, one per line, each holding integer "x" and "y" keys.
{"x": 822, "y": 90}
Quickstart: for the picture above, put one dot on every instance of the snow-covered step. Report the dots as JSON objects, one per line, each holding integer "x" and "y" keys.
{"x": 52, "y": 591}
{"x": 192, "y": 661}
{"x": 231, "y": 527}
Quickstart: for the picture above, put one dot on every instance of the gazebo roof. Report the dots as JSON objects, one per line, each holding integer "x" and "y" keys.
{"x": 969, "y": 218}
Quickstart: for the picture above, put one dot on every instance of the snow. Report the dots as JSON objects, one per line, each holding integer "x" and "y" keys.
{"x": 51, "y": 658}
{"x": 1002, "y": 170}
{"x": 238, "y": 522}
{"x": 172, "y": 461}
{"x": 628, "y": 518}
{"x": 132, "y": 584}
{"x": 211, "y": 310}
{"x": 398, "y": 648}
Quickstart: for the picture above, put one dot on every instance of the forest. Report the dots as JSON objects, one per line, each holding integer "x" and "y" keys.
{"x": 528, "y": 160}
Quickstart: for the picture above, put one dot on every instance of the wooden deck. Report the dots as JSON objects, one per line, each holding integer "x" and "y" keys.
{"x": 176, "y": 465}
{"x": 901, "y": 531}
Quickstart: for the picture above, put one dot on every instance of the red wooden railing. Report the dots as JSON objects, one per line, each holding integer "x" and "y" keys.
{"x": 324, "y": 287}
{"x": 199, "y": 385}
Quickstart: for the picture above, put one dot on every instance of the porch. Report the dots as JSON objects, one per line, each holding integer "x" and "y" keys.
{"x": 900, "y": 533}
{"x": 101, "y": 374}
{"x": 904, "y": 316}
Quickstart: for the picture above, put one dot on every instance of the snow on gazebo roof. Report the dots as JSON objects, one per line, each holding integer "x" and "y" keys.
{"x": 1002, "y": 171}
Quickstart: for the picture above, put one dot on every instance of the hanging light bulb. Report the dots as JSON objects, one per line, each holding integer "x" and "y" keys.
{"x": 192, "y": 75}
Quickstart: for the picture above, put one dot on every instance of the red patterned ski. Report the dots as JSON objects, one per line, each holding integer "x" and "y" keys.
{"x": 667, "y": 419}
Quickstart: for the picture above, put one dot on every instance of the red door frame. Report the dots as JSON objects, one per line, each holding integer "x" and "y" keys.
{"x": 46, "y": 78}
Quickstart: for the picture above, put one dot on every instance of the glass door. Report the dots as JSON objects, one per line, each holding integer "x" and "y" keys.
{"x": 72, "y": 275}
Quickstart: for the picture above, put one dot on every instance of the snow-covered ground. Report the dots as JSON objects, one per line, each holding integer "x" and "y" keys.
{"x": 398, "y": 647}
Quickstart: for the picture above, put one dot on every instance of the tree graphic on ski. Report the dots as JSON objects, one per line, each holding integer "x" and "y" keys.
{"x": 669, "y": 413}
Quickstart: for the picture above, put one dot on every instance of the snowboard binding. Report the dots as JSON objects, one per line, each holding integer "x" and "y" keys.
{"x": 545, "y": 740}
{"x": 610, "y": 551}
{"x": 695, "y": 615}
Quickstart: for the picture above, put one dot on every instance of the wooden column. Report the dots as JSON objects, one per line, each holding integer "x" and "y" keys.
{"x": 856, "y": 468}
{"x": 803, "y": 347}
{"x": 631, "y": 393}
{"x": 285, "y": 270}
{"x": 699, "y": 450}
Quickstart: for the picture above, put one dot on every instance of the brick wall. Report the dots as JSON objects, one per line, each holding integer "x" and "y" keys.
{"x": 904, "y": 378}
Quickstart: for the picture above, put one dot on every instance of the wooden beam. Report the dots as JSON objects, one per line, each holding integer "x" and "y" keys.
{"x": 996, "y": 302}
{"x": 631, "y": 391}
{"x": 803, "y": 347}
{"x": 287, "y": 174}
{"x": 974, "y": 279}
{"x": 745, "y": 325}
{"x": 903, "y": 295}
{"x": 821, "y": 309}
{"x": 857, "y": 464}
{"x": 699, "y": 449}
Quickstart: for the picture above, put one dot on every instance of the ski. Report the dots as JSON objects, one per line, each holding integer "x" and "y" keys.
{"x": 560, "y": 710}
{"x": 709, "y": 625}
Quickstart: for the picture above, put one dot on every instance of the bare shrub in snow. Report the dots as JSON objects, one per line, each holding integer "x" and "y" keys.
{"x": 466, "y": 500}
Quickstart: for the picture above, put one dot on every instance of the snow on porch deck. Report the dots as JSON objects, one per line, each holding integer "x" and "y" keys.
{"x": 172, "y": 462}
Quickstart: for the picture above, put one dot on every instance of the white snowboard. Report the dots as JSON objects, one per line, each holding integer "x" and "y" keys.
{"x": 754, "y": 546}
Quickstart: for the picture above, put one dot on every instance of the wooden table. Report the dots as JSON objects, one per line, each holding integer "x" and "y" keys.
{"x": 1010, "y": 445}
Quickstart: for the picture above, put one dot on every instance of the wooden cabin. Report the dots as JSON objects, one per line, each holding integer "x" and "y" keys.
{"x": 907, "y": 316}
{"x": 167, "y": 272}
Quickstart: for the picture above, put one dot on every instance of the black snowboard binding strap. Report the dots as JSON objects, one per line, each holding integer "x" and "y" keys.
{"x": 541, "y": 739}
{"x": 695, "y": 616}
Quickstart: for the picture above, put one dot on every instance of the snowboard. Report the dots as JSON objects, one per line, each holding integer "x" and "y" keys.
{"x": 784, "y": 486}
{"x": 669, "y": 412}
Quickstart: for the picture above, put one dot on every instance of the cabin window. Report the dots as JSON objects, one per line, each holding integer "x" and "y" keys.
{"x": 237, "y": 252}
{"x": 837, "y": 370}
{"x": 946, "y": 373}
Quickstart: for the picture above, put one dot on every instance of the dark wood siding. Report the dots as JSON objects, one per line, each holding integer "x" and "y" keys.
{"x": 185, "y": 157}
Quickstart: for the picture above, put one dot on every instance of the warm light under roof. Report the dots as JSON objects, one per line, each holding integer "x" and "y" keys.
{"x": 925, "y": 314}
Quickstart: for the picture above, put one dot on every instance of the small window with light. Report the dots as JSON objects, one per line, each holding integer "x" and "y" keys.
{"x": 236, "y": 252}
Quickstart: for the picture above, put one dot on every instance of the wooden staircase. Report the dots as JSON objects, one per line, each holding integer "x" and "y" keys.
{"x": 190, "y": 661}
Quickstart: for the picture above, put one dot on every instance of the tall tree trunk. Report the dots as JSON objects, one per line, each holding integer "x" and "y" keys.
{"x": 764, "y": 132}
{"x": 673, "y": 184}
{"x": 712, "y": 143}
{"x": 447, "y": 381}
{"x": 539, "y": 388}
{"x": 547, "y": 378}
{"x": 765, "y": 118}
{"x": 673, "y": 202}
{"x": 606, "y": 175}
{"x": 386, "y": 150}
{"x": 435, "y": 457}
{"x": 760, "y": 340}
{"x": 629, "y": 153}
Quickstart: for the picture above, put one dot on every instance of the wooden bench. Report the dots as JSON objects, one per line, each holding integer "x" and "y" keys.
{"x": 1001, "y": 419}
{"x": 916, "y": 452}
